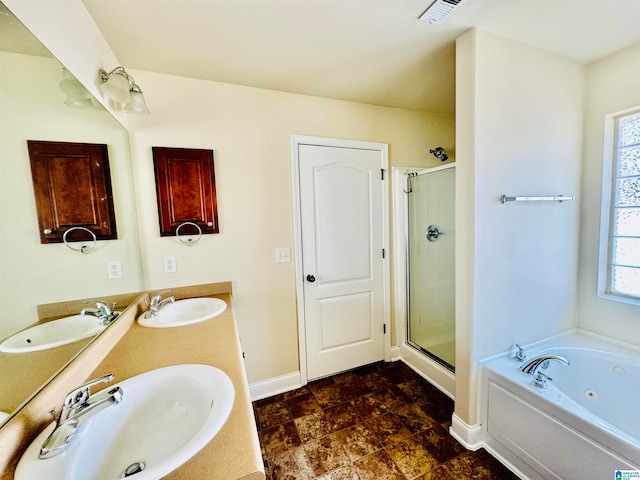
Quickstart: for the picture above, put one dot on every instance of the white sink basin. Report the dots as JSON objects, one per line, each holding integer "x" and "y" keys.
{"x": 184, "y": 312}
{"x": 165, "y": 417}
{"x": 52, "y": 334}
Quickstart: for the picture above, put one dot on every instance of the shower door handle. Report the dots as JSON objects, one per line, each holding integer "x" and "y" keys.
{"x": 311, "y": 278}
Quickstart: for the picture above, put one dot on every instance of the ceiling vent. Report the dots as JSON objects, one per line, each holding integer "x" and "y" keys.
{"x": 440, "y": 10}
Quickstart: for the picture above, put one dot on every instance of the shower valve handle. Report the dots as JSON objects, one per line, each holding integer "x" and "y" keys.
{"x": 311, "y": 278}
{"x": 433, "y": 233}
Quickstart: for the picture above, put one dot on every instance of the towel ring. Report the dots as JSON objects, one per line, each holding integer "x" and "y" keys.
{"x": 84, "y": 248}
{"x": 189, "y": 241}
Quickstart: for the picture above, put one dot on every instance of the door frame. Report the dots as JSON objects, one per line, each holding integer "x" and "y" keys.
{"x": 383, "y": 149}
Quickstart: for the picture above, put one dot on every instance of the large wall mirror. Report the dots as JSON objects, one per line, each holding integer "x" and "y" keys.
{"x": 33, "y": 108}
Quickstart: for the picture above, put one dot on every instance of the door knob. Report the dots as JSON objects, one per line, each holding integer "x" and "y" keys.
{"x": 311, "y": 278}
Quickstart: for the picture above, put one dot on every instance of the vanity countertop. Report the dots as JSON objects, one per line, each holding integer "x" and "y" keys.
{"x": 234, "y": 453}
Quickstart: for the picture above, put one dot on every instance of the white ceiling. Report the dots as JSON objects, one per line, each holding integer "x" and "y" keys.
{"x": 371, "y": 51}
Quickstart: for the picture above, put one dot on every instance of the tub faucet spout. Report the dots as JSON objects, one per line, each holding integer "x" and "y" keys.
{"x": 531, "y": 367}
{"x": 542, "y": 362}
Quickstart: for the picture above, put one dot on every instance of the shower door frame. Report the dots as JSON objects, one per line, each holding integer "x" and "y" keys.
{"x": 437, "y": 374}
{"x": 407, "y": 320}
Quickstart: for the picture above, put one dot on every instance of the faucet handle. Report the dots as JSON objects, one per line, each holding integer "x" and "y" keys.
{"x": 102, "y": 306}
{"x": 540, "y": 380}
{"x": 81, "y": 394}
{"x": 520, "y": 355}
{"x": 157, "y": 298}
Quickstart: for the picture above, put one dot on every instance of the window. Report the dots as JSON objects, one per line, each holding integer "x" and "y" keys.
{"x": 620, "y": 277}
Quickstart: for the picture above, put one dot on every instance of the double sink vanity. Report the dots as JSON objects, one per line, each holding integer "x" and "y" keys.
{"x": 161, "y": 393}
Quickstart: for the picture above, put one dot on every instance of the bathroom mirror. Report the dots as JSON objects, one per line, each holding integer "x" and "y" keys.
{"x": 31, "y": 274}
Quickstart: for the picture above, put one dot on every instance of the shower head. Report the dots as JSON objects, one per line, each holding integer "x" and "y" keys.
{"x": 439, "y": 152}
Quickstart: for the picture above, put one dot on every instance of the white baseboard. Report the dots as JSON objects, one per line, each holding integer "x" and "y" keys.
{"x": 290, "y": 381}
{"x": 274, "y": 386}
{"x": 470, "y": 436}
{"x": 395, "y": 353}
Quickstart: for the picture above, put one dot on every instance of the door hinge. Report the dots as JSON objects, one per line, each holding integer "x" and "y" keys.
{"x": 383, "y": 253}
{"x": 384, "y": 328}
{"x": 382, "y": 174}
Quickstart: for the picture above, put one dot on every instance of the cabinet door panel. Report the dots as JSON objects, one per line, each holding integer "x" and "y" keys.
{"x": 186, "y": 190}
{"x": 72, "y": 187}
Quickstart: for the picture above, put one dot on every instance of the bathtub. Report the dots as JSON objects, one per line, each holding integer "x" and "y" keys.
{"x": 584, "y": 425}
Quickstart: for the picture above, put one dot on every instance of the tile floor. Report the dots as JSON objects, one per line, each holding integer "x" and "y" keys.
{"x": 377, "y": 422}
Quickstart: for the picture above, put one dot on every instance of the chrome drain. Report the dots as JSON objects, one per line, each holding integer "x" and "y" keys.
{"x": 132, "y": 469}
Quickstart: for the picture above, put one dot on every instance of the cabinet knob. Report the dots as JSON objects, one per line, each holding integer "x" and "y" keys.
{"x": 47, "y": 231}
{"x": 209, "y": 224}
{"x": 311, "y": 278}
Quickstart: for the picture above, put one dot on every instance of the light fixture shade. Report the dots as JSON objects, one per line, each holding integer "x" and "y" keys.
{"x": 84, "y": 104}
{"x": 137, "y": 104}
{"x": 79, "y": 103}
{"x": 72, "y": 87}
{"x": 116, "y": 88}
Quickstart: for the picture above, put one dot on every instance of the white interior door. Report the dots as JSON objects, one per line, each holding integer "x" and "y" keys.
{"x": 342, "y": 230}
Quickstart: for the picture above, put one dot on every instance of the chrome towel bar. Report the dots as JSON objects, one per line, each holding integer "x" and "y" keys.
{"x": 554, "y": 198}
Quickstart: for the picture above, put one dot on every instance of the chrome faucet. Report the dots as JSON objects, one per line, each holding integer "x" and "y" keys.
{"x": 157, "y": 303}
{"x": 542, "y": 362}
{"x": 78, "y": 405}
{"x": 102, "y": 312}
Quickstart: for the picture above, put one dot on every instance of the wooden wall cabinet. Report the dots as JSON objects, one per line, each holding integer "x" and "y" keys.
{"x": 186, "y": 190}
{"x": 72, "y": 186}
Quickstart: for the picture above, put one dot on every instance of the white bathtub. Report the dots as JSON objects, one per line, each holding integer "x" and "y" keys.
{"x": 585, "y": 425}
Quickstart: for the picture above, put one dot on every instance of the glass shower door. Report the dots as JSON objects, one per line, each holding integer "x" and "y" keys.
{"x": 431, "y": 264}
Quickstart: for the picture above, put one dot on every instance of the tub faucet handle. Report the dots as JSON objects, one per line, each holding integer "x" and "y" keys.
{"x": 520, "y": 355}
{"x": 540, "y": 380}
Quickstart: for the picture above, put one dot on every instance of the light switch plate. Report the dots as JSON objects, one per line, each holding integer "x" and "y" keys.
{"x": 283, "y": 255}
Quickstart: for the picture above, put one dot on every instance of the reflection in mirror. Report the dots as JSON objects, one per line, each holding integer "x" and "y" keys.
{"x": 34, "y": 107}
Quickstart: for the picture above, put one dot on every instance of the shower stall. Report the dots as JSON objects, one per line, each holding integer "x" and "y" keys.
{"x": 430, "y": 237}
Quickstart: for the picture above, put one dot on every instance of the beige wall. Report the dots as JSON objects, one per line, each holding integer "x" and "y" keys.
{"x": 519, "y": 132}
{"x": 612, "y": 86}
{"x": 249, "y": 131}
{"x": 32, "y": 107}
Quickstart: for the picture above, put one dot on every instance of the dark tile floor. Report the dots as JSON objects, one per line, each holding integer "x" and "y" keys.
{"x": 378, "y": 422}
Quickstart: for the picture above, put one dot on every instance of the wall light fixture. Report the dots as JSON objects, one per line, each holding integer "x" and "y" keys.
{"x": 77, "y": 95}
{"x": 120, "y": 87}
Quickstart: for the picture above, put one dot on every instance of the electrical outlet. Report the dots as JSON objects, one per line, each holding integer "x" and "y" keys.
{"x": 114, "y": 269}
{"x": 169, "y": 263}
{"x": 283, "y": 255}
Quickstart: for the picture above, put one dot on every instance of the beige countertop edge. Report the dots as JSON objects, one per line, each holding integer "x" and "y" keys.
{"x": 234, "y": 452}
{"x": 29, "y": 421}
{"x": 126, "y": 349}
